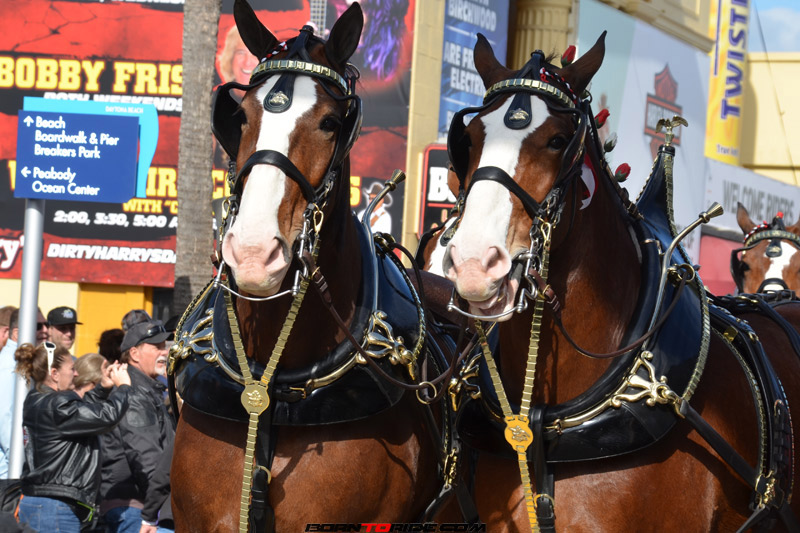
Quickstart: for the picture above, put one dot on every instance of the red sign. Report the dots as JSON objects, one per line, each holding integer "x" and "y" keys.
{"x": 131, "y": 52}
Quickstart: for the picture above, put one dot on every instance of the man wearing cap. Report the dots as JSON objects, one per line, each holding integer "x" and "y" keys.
{"x": 131, "y": 452}
{"x": 62, "y": 322}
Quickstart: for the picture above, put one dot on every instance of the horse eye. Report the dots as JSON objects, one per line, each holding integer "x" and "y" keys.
{"x": 557, "y": 143}
{"x": 329, "y": 124}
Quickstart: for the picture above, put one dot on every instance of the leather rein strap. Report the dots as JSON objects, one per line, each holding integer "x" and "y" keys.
{"x": 552, "y": 301}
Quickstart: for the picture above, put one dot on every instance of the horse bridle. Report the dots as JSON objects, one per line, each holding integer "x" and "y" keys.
{"x": 775, "y": 232}
{"x": 536, "y": 78}
{"x": 228, "y": 120}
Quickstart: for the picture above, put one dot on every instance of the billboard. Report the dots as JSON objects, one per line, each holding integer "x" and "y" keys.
{"x": 112, "y": 54}
{"x": 647, "y": 75}
{"x": 437, "y": 199}
{"x": 728, "y": 28}
{"x": 129, "y": 53}
{"x": 463, "y": 20}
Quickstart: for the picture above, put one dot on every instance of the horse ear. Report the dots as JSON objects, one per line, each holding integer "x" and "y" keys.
{"x": 743, "y": 219}
{"x": 581, "y": 72}
{"x": 345, "y": 35}
{"x": 486, "y": 63}
{"x": 794, "y": 228}
{"x": 255, "y": 36}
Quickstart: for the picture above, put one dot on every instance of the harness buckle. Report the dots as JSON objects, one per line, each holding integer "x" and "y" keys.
{"x": 302, "y": 390}
{"x": 316, "y": 218}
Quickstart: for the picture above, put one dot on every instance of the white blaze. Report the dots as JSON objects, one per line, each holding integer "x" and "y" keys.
{"x": 258, "y": 209}
{"x": 487, "y": 213}
{"x": 777, "y": 264}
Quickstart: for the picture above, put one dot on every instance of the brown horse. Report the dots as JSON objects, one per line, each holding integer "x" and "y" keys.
{"x": 769, "y": 258}
{"x": 550, "y": 249}
{"x": 337, "y": 440}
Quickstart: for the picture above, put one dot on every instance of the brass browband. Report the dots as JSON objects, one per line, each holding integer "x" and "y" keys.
{"x": 534, "y": 86}
{"x": 301, "y": 67}
{"x": 772, "y": 234}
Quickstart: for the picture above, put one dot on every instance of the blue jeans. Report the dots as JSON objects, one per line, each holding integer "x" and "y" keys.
{"x": 47, "y": 514}
{"x": 126, "y": 520}
{"x": 123, "y": 520}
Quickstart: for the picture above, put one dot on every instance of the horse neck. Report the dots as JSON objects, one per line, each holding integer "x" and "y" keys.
{"x": 315, "y": 332}
{"x": 595, "y": 273}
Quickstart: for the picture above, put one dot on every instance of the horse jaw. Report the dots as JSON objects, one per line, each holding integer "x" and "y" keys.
{"x": 255, "y": 247}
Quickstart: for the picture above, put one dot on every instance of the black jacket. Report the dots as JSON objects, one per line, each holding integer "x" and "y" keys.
{"x": 132, "y": 452}
{"x": 62, "y": 450}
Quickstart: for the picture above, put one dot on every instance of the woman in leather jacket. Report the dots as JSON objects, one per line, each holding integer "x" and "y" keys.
{"x": 61, "y": 475}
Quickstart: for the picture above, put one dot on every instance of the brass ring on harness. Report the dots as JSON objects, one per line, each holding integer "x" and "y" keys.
{"x": 269, "y": 474}
{"x": 540, "y": 495}
{"x": 422, "y": 385}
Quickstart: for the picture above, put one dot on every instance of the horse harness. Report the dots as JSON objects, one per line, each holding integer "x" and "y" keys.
{"x": 647, "y": 389}
{"x": 774, "y": 232}
{"x": 208, "y": 365}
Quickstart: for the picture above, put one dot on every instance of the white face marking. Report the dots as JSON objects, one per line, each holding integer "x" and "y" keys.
{"x": 258, "y": 210}
{"x": 487, "y": 213}
{"x": 777, "y": 264}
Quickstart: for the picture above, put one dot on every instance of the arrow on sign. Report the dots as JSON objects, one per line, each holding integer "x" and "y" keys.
{"x": 28, "y": 121}
{"x": 25, "y": 171}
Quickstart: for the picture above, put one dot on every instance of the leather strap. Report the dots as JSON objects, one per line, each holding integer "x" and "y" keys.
{"x": 276, "y": 159}
{"x": 262, "y": 515}
{"x": 498, "y": 175}
{"x": 545, "y": 481}
{"x": 552, "y": 300}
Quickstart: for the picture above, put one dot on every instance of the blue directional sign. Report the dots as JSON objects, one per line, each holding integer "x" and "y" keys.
{"x": 78, "y": 157}
{"x": 148, "y": 125}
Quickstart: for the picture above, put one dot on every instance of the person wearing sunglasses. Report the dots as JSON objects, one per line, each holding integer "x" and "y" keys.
{"x": 60, "y": 477}
{"x": 135, "y": 487}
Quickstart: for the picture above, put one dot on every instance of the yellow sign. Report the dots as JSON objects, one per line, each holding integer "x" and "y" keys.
{"x": 728, "y": 28}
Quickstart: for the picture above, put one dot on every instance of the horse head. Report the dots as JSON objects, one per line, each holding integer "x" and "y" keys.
{"x": 769, "y": 258}
{"x": 515, "y": 159}
{"x": 290, "y": 136}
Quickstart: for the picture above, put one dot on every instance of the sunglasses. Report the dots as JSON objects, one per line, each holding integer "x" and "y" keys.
{"x": 42, "y": 325}
{"x": 154, "y": 330}
{"x": 50, "y": 348}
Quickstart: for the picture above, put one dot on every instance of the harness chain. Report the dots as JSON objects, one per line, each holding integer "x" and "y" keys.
{"x": 255, "y": 396}
{"x": 518, "y": 432}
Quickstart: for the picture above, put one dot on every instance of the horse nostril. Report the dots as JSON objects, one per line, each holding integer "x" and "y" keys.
{"x": 276, "y": 254}
{"x": 449, "y": 261}
{"x": 490, "y": 258}
{"x": 496, "y": 262}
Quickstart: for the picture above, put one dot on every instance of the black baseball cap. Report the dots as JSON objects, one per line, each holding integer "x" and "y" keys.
{"x": 135, "y": 316}
{"x": 61, "y": 316}
{"x": 151, "y": 332}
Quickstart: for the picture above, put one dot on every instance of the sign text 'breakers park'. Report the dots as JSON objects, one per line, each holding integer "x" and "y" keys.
{"x": 78, "y": 157}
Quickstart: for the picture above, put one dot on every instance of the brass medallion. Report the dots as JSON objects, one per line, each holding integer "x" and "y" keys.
{"x": 255, "y": 398}
{"x": 518, "y": 433}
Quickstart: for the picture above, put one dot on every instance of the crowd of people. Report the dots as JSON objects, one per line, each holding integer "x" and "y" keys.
{"x": 97, "y": 429}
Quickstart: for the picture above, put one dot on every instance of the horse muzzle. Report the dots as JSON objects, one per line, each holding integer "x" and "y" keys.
{"x": 260, "y": 267}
